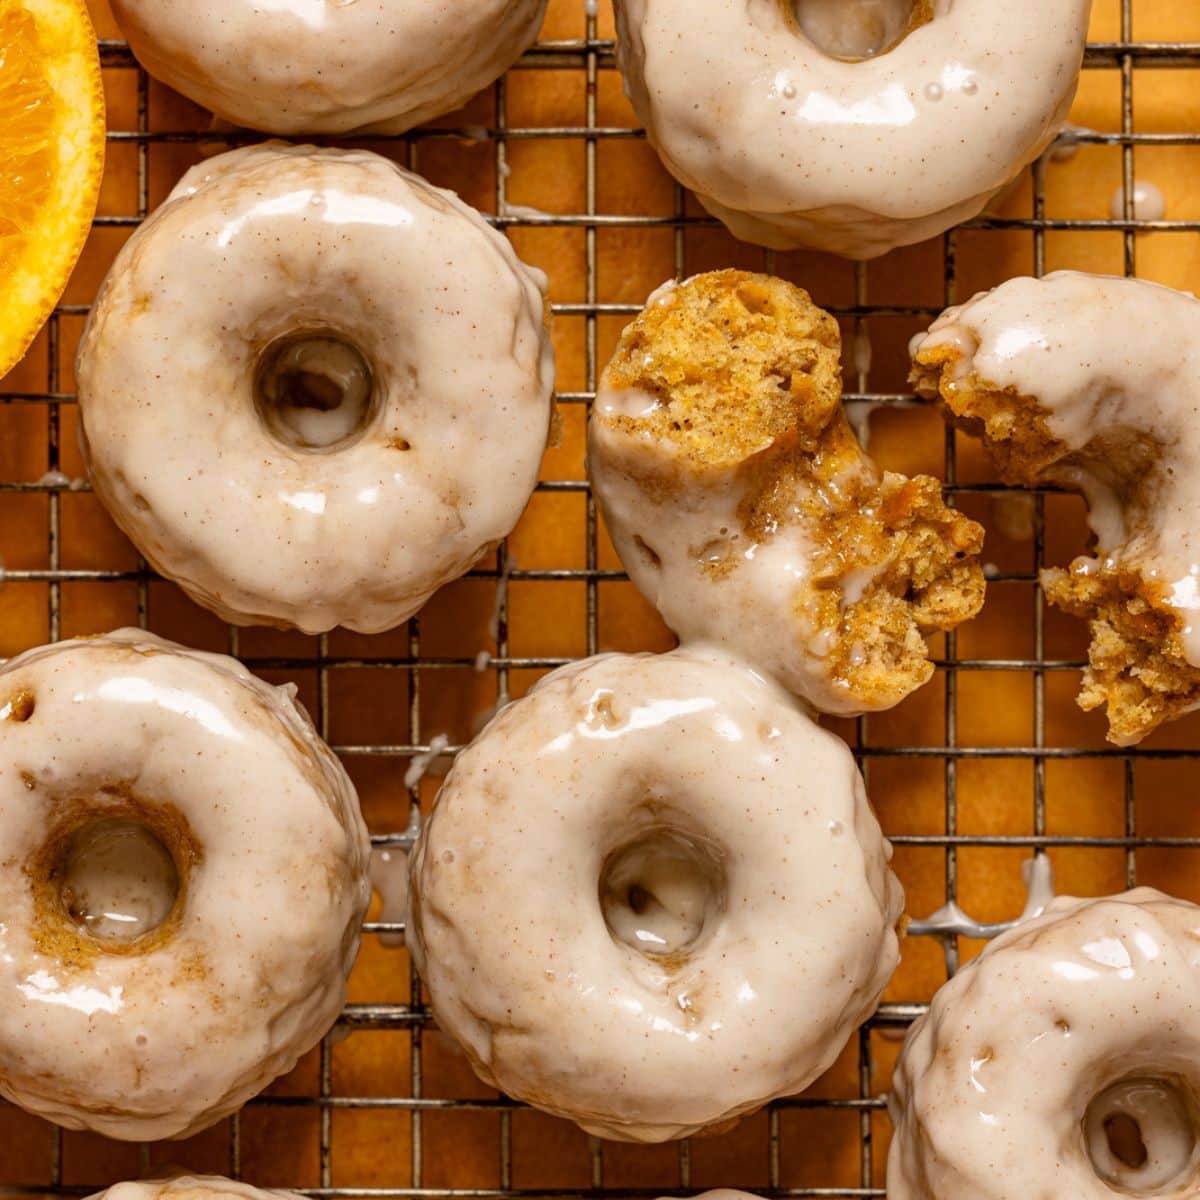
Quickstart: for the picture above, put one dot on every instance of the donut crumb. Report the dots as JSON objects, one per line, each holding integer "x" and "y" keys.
{"x": 1137, "y": 669}
{"x": 1137, "y": 663}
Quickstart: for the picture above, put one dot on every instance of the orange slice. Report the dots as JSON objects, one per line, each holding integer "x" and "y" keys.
{"x": 51, "y": 158}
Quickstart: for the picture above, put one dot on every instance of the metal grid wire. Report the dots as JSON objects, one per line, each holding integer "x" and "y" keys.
{"x": 591, "y": 56}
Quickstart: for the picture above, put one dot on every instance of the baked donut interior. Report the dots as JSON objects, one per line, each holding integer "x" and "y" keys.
{"x": 1141, "y": 1135}
{"x": 315, "y": 390}
{"x": 855, "y": 30}
{"x": 111, "y": 877}
{"x": 742, "y": 379}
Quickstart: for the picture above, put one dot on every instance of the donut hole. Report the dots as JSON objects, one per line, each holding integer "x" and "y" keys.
{"x": 315, "y": 390}
{"x": 855, "y": 30}
{"x": 119, "y": 882}
{"x": 111, "y": 877}
{"x": 1124, "y": 1136}
{"x": 662, "y": 892}
{"x": 1141, "y": 1135}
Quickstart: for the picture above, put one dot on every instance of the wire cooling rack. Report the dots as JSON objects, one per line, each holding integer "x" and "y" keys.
{"x": 384, "y": 1108}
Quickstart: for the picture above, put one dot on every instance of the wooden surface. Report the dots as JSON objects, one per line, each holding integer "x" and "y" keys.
{"x": 279, "y": 1141}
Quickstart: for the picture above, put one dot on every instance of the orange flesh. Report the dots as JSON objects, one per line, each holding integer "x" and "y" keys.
{"x": 27, "y": 143}
{"x": 51, "y": 158}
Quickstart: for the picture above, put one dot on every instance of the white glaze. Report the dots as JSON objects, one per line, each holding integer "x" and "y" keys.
{"x": 791, "y": 147}
{"x": 1069, "y": 140}
{"x": 1111, "y": 359}
{"x": 950, "y": 920}
{"x": 1149, "y": 204}
{"x": 422, "y": 764}
{"x": 310, "y": 66}
{"x": 57, "y": 481}
{"x": 549, "y": 1004}
{"x": 190, "y": 1187}
{"x": 251, "y": 246}
{"x": 389, "y": 877}
{"x": 168, "y": 1039}
{"x": 993, "y": 1085}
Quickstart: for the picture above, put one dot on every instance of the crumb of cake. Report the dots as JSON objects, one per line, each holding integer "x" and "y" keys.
{"x": 1010, "y": 425}
{"x": 742, "y": 384}
{"x": 1137, "y": 665}
{"x": 736, "y": 363}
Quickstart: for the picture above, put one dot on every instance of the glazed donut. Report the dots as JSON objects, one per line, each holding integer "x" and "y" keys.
{"x": 314, "y": 388}
{"x": 715, "y": 1194}
{"x": 1092, "y": 383}
{"x": 190, "y": 1187}
{"x": 183, "y": 874}
{"x": 308, "y": 66}
{"x": 854, "y": 126}
{"x": 714, "y": 911}
{"x": 745, "y": 510}
{"x": 213, "y": 1187}
{"x": 1063, "y": 1061}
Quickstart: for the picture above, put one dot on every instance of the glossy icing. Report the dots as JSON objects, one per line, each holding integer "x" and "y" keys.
{"x": 1109, "y": 364}
{"x": 389, "y": 877}
{"x": 779, "y": 938}
{"x": 950, "y": 921}
{"x": 1089, "y": 1012}
{"x": 1149, "y": 203}
{"x": 312, "y": 66}
{"x": 265, "y": 242}
{"x": 792, "y": 147}
{"x": 263, "y": 824}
